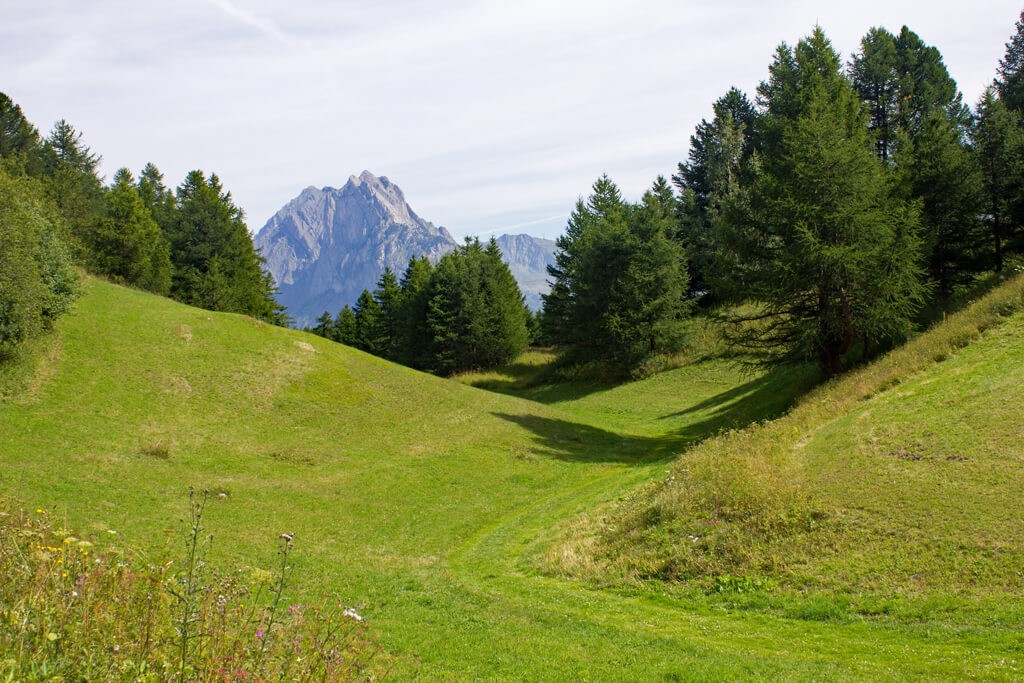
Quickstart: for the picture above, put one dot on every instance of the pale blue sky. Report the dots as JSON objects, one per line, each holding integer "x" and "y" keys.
{"x": 491, "y": 116}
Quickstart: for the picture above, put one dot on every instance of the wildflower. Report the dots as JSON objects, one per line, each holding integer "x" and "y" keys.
{"x": 51, "y": 636}
{"x": 259, "y": 635}
{"x": 38, "y": 511}
{"x": 351, "y": 614}
{"x": 288, "y": 537}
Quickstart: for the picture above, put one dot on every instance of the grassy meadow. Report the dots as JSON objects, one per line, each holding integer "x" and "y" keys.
{"x": 544, "y": 531}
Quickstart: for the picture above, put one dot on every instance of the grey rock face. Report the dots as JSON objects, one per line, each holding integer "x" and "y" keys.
{"x": 528, "y": 258}
{"x": 327, "y": 245}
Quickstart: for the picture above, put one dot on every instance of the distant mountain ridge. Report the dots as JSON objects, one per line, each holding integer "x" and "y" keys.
{"x": 528, "y": 258}
{"x": 329, "y": 244}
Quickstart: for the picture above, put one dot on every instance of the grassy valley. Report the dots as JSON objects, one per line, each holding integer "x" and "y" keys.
{"x": 547, "y": 536}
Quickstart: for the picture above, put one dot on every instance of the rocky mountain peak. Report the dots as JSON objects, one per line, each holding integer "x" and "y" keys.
{"x": 327, "y": 245}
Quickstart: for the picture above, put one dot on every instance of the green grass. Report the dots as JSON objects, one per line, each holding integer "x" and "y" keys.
{"x": 431, "y": 506}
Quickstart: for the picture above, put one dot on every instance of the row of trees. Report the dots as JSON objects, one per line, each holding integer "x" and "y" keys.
{"x": 835, "y": 204}
{"x": 467, "y": 312}
{"x": 191, "y": 244}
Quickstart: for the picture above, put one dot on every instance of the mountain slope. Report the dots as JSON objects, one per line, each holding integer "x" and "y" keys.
{"x": 328, "y": 245}
{"x": 422, "y": 502}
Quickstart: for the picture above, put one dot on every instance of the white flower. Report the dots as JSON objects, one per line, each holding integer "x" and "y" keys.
{"x": 351, "y": 614}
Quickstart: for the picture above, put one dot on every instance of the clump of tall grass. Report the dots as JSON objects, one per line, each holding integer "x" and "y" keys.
{"x": 737, "y": 504}
{"x": 71, "y": 610}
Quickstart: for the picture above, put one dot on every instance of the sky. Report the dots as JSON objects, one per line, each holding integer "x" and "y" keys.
{"x": 492, "y": 117}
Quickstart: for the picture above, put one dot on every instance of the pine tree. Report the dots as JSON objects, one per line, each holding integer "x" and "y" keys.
{"x": 20, "y": 144}
{"x": 720, "y": 160}
{"x": 70, "y": 167}
{"x": 874, "y": 75}
{"x": 921, "y": 127}
{"x": 831, "y": 255}
{"x": 324, "y": 325}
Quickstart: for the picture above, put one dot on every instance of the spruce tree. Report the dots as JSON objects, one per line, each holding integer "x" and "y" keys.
{"x": 413, "y": 347}
{"x": 215, "y": 264}
{"x": 345, "y": 326}
{"x": 999, "y": 141}
{"x": 621, "y": 278}
{"x": 367, "y": 324}
{"x": 719, "y": 161}
{"x": 388, "y": 297}
{"x": 1010, "y": 82}
{"x": 127, "y": 244}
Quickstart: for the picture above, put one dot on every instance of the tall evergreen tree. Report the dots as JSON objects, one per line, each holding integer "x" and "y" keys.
{"x": 413, "y": 347}
{"x": 999, "y": 141}
{"x": 388, "y": 297}
{"x": 832, "y": 256}
{"x": 215, "y": 263}
{"x": 20, "y": 144}
{"x": 921, "y": 127}
{"x": 1010, "y": 81}
{"x": 719, "y": 161}
{"x": 73, "y": 183}
{"x": 345, "y": 326}
{"x": 476, "y": 317}
{"x": 127, "y": 244}
{"x": 622, "y": 279}
{"x": 367, "y": 327}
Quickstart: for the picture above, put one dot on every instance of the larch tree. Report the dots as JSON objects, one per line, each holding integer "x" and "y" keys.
{"x": 831, "y": 255}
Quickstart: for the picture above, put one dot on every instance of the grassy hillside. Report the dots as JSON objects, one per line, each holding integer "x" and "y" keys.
{"x": 427, "y": 504}
{"x": 895, "y": 489}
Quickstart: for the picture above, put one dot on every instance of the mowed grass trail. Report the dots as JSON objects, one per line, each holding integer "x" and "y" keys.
{"x": 423, "y": 502}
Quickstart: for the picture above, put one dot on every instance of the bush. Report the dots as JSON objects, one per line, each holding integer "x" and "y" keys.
{"x": 36, "y": 280}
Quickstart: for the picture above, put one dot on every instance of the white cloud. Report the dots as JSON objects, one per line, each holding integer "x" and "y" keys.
{"x": 487, "y": 114}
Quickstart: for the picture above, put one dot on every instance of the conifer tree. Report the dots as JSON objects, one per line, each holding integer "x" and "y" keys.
{"x": 70, "y": 166}
{"x": 413, "y": 347}
{"x": 388, "y": 298}
{"x": 921, "y": 127}
{"x": 345, "y": 326}
{"x": 831, "y": 256}
{"x": 215, "y": 264}
{"x": 999, "y": 141}
{"x": 367, "y": 324}
{"x": 1010, "y": 81}
{"x": 719, "y": 161}
{"x": 324, "y": 325}
{"x": 621, "y": 278}
{"x": 127, "y": 244}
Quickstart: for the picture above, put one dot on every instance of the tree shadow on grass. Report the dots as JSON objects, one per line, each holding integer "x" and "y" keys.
{"x": 759, "y": 399}
{"x": 578, "y": 442}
